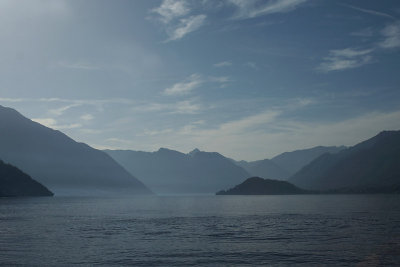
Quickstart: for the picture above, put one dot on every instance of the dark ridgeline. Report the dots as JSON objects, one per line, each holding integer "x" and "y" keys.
{"x": 15, "y": 183}
{"x": 372, "y": 166}
{"x": 60, "y": 163}
{"x": 286, "y": 164}
{"x": 167, "y": 171}
{"x": 260, "y": 186}
{"x": 293, "y": 161}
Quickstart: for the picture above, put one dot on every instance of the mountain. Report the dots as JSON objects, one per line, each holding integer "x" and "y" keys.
{"x": 370, "y": 166}
{"x": 293, "y": 161}
{"x": 286, "y": 164}
{"x": 15, "y": 183}
{"x": 264, "y": 168}
{"x": 169, "y": 172}
{"x": 60, "y": 163}
{"x": 260, "y": 186}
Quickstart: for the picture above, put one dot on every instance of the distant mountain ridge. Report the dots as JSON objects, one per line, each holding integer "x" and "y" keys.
{"x": 284, "y": 165}
{"x": 374, "y": 163}
{"x": 168, "y": 171}
{"x": 60, "y": 163}
{"x": 295, "y": 160}
{"x": 15, "y": 183}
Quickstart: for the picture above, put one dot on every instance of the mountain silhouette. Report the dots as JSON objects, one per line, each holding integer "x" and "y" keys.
{"x": 369, "y": 166}
{"x": 293, "y": 161}
{"x": 260, "y": 186}
{"x": 168, "y": 172}
{"x": 15, "y": 183}
{"x": 60, "y": 163}
{"x": 286, "y": 164}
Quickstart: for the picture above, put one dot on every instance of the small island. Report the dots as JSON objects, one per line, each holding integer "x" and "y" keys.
{"x": 260, "y": 186}
{"x": 16, "y": 183}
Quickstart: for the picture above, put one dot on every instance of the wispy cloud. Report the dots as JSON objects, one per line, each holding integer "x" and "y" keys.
{"x": 71, "y": 101}
{"x": 350, "y": 58}
{"x": 255, "y": 8}
{"x": 185, "y": 87}
{"x": 190, "y": 106}
{"x": 12, "y": 100}
{"x": 192, "y": 82}
{"x": 171, "y": 9}
{"x": 223, "y": 81}
{"x": 186, "y": 107}
{"x": 185, "y": 26}
{"x": 177, "y": 20}
{"x": 155, "y": 132}
{"x": 347, "y": 58}
{"x": 87, "y": 117}
{"x": 49, "y": 122}
{"x": 267, "y": 133}
{"x": 118, "y": 140}
{"x": 223, "y": 64}
{"x": 251, "y": 64}
{"x": 220, "y": 79}
{"x": 391, "y": 34}
{"x": 249, "y": 123}
{"x": 52, "y": 123}
{"x": 370, "y": 11}
{"x": 60, "y": 111}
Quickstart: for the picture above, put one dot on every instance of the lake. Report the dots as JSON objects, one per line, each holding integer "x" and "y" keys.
{"x": 336, "y": 230}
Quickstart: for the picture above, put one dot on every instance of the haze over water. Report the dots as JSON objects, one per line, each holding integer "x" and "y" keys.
{"x": 333, "y": 230}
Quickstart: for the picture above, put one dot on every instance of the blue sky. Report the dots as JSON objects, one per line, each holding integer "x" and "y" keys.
{"x": 247, "y": 78}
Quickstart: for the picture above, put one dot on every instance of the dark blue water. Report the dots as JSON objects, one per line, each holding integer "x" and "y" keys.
{"x": 336, "y": 230}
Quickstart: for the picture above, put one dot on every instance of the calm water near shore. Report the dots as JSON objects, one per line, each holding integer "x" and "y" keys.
{"x": 336, "y": 230}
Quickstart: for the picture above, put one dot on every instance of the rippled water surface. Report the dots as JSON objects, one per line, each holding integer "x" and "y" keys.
{"x": 337, "y": 230}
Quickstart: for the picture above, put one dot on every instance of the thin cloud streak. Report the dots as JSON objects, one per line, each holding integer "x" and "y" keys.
{"x": 185, "y": 87}
{"x": 185, "y": 26}
{"x": 343, "y": 59}
{"x": 369, "y": 11}
{"x": 254, "y": 8}
{"x": 60, "y": 111}
{"x": 52, "y": 123}
{"x": 223, "y": 64}
{"x": 244, "y": 139}
{"x": 179, "y": 107}
{"x": 192, "y": 82}
{"x": 72, "y": 101}
{"x": 350, "y": 58}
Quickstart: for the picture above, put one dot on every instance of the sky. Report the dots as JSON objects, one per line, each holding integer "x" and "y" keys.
{"x": 247, "y": 78}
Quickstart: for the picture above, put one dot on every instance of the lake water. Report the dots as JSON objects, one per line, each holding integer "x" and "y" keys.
{"x": 336, "y": 230}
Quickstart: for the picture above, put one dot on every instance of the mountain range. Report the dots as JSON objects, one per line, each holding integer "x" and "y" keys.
{"x": 67, "y": 167}
{"x": 370, "y": 166}
{"x": 284, "y": 165}
{"x": 60, "y": 163}
{"x": 169, "y": 172}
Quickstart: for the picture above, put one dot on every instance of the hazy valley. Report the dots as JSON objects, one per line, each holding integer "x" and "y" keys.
{"x": 67, "y": 167}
